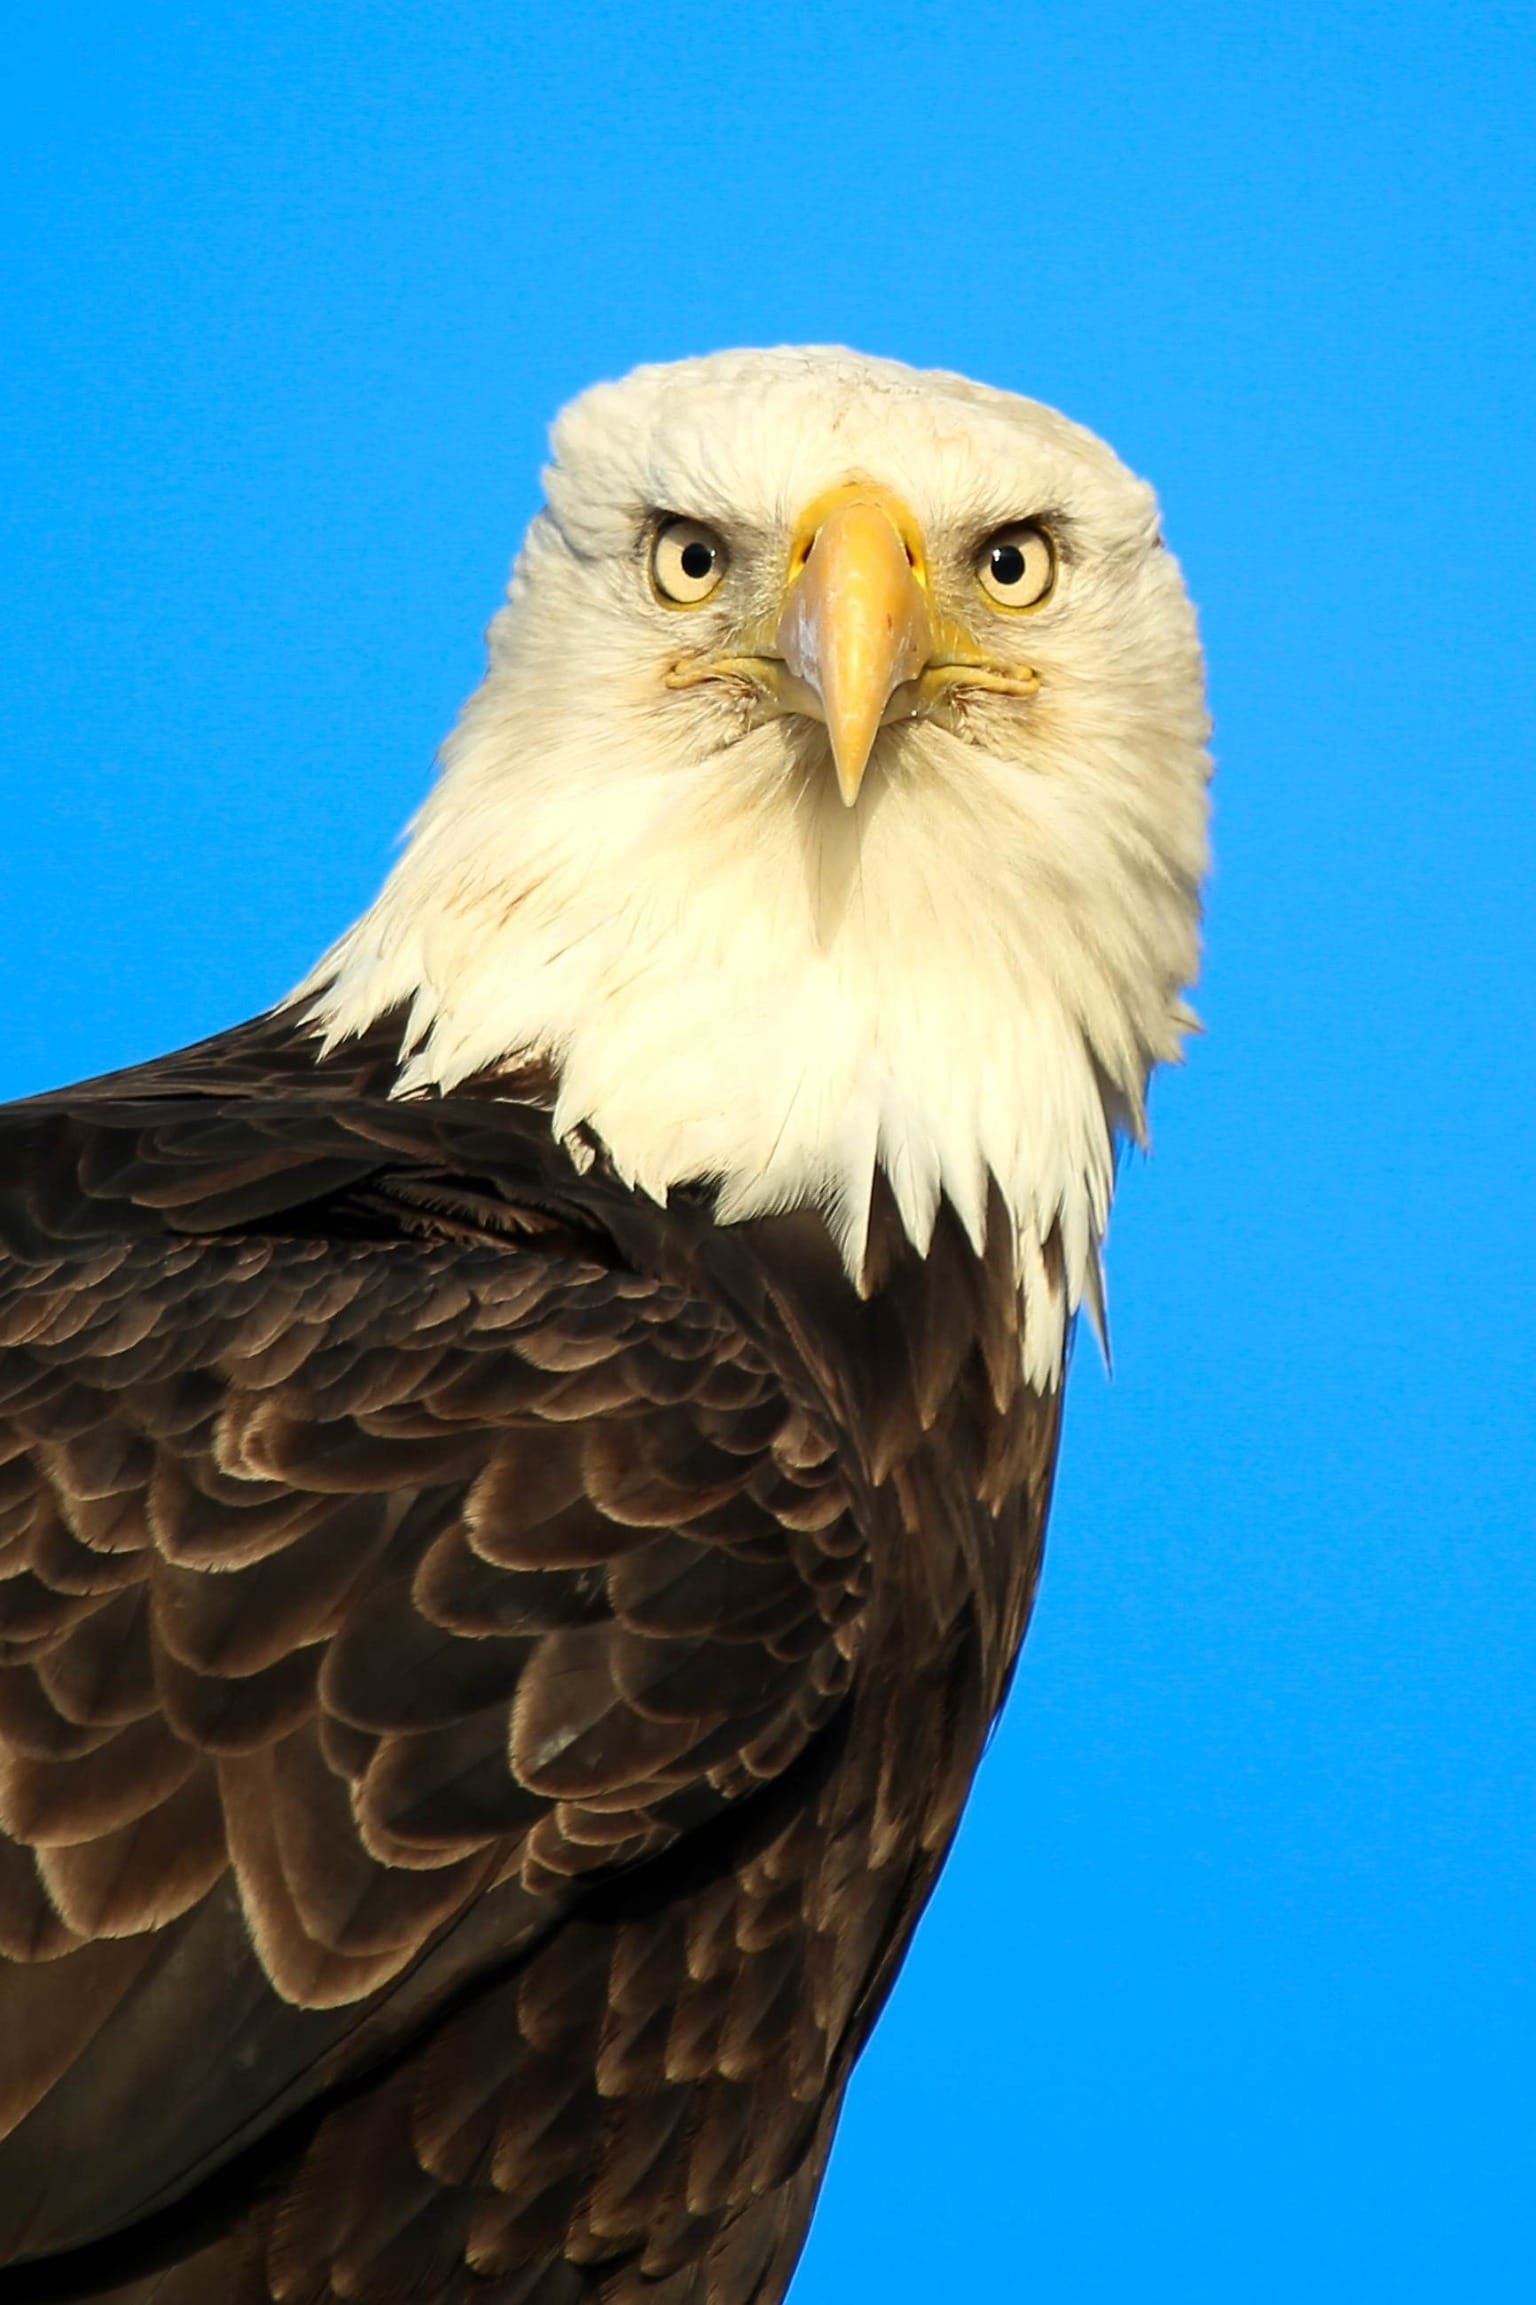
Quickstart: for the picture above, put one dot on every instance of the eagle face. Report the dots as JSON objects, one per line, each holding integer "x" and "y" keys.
{"x": 834, "y": 805}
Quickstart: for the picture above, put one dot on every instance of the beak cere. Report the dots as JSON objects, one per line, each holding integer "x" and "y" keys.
{"x": 855, "y": 624}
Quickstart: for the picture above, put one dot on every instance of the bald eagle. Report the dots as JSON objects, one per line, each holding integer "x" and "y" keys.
{"x": 523, "y": 1469}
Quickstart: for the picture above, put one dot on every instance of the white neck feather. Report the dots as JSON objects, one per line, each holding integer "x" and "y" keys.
{"x": 739, "y": 980}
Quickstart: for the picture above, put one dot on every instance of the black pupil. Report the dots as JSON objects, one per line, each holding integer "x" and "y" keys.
{"x": 1007, "y": 564}
{"x": 697, "y": 559}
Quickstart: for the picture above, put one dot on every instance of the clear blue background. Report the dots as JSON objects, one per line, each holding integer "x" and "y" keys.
{"x": 1228, "y": 1994}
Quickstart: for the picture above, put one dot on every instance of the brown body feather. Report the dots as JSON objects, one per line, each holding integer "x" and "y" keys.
{"x": 489, "y": 1671}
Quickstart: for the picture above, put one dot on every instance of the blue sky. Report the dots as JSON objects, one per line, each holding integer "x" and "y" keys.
{"x": 1230, "y": 1990}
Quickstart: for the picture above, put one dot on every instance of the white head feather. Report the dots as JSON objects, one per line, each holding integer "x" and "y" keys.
{"x": 967, "y": 976}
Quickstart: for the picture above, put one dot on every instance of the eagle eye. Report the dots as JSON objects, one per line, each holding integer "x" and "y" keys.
{"x": 1016, "y": 567}
{"x": 688, "y": 562}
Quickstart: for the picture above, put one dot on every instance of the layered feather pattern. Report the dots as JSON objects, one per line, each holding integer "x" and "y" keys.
{"x": 487, "y": 1673}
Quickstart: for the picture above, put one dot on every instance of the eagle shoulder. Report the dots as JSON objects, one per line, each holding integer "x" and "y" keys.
{"x": 462, "y": 1624}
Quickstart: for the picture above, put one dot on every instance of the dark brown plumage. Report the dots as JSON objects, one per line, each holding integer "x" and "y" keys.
{"x": 491, "y": 1672}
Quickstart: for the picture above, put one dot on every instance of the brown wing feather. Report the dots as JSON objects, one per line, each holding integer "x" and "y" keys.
{"x": 414, "y": 1558}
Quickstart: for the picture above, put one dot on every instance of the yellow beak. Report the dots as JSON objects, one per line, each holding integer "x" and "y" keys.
{"x": 855, "y": 624}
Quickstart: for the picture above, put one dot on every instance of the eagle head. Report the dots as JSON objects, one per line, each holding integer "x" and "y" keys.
{"x": 834, "y": 804}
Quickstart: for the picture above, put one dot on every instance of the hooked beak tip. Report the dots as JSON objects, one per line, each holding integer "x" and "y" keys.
{"x": 850, "y": 759}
